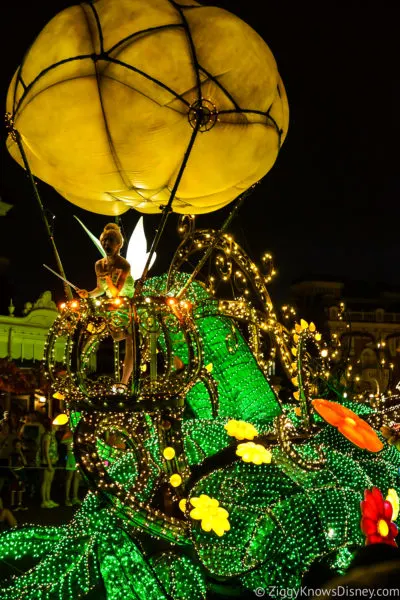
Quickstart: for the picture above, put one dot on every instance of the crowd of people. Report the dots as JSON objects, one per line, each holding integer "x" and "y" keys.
{"x": 32, "y": 444}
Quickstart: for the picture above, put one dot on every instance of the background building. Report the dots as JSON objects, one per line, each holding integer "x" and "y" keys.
{"x": 363, "y": 323}
{"x": 22, "y": 340}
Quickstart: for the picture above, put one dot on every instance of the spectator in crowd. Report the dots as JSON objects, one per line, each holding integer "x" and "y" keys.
{"x": 72, "y": 475}
{"x": 7, "y": 436}
{"x": 5, "y": 422}
{"x": 5, "y": 445}
{"x": 48, "y": 458}
{"x": 7, "y": 519}
{"x": 8, "y": 423}
{"x": 317, "y": 575}
{"x": 30, "y": 434}
{"x": 376, "y": 566}
{"x": 17, "y": 463}
{"x": 382, "y": 576}
{"x": 373, "y": 554}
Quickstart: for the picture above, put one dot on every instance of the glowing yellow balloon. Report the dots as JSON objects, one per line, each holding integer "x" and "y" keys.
{"x": 110, "y": 94}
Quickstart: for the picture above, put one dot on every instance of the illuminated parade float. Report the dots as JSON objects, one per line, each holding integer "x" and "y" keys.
{"x": 202, "y": 481}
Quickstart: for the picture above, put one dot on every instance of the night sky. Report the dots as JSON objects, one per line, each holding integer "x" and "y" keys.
{"x": 329, "y": 207}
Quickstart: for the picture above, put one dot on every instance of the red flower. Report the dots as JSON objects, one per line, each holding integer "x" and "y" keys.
{"x": 376, "y": 521}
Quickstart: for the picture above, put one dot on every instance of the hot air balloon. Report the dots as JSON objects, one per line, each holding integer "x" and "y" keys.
{"x": 132, "y": 104}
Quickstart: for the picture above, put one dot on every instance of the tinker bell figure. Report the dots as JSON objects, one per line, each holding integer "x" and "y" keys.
{"x": 113, "y": 273}
{"x": 114, "y": 276}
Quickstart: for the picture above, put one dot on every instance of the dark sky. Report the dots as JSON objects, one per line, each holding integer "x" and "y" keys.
{"x": 330, "y": 205}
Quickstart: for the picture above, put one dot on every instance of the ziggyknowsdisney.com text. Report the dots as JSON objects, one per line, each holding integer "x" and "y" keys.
{"x": 341, "y": 591}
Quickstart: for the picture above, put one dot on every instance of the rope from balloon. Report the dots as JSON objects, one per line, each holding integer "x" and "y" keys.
{"x": 167, "y": 210}
{"x": 225, "y": 225}
{"x": 17, "y": 137}
{"x": 196, "y": 123}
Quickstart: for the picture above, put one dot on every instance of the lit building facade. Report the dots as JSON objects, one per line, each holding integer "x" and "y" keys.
{"x": 22, "y": 341}
{"x": 363, "y": 325}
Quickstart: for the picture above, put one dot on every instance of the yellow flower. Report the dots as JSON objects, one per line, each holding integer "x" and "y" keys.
{"x": 393, "y": 498}
{"x": 255, "y": 453}
{"x": 241, "y": 430}
{"x": 211, "y": 514}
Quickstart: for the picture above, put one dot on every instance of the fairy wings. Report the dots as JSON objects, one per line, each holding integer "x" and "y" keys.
{"x": 136, "y": 252}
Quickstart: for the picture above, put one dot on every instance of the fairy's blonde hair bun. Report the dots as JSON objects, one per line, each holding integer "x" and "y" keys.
{"x": 115, "y": 229}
